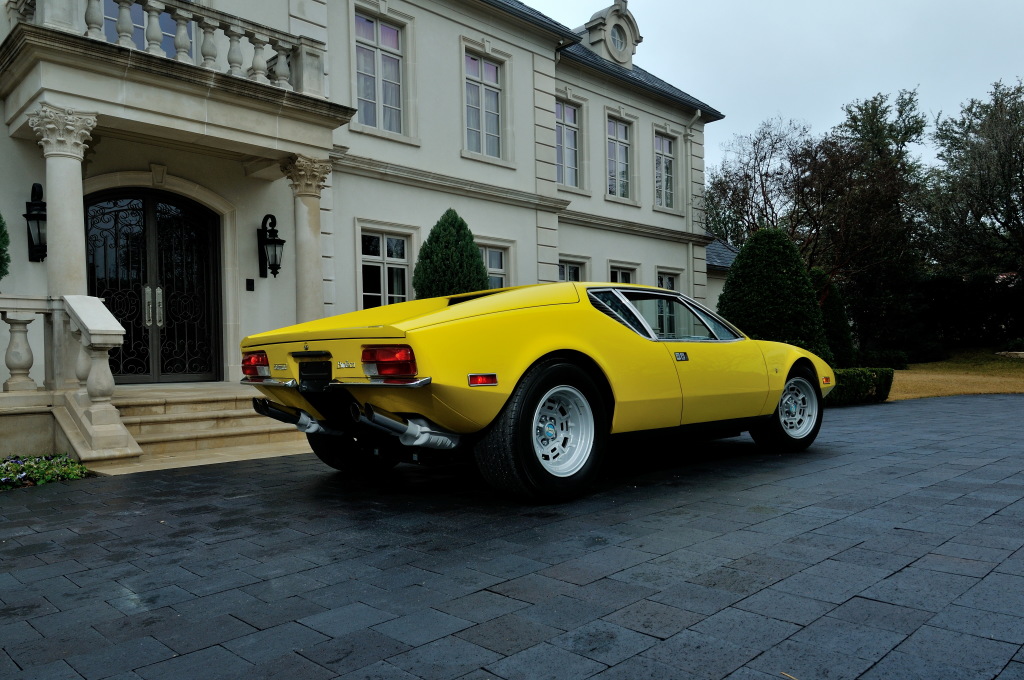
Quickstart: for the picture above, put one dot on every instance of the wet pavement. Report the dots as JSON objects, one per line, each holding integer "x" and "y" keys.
{"x": 890, "y": 549}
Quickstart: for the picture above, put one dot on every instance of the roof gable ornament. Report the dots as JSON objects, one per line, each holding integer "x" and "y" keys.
{"x": 613, "y": 34}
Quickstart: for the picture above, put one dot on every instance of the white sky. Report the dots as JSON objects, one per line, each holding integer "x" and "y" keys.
{"x": 805, "y": 59}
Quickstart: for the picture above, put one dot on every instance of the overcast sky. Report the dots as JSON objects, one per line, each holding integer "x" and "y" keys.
{"x": 804, "y": 59}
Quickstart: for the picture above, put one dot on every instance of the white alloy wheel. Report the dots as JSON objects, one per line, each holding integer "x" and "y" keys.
{"x": 563, "y": 431}
{"x": 798, "y": 408}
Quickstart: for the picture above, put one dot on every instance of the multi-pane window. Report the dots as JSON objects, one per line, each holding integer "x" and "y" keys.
{"x": 494, "y": 260}
{"x": 666, "y": 280}
{"x": 567, "y": 144}
{"x": 621, "y": 275}
{"x": 385, "y": 261}
{"x": 618, "y": 158}
{"x": 483, "y": 106}
{"x": 664, "y": 171}
{"x": 570, "y": 271}
{"x": 379, "y": 74}
{"x": 168, "y": 27}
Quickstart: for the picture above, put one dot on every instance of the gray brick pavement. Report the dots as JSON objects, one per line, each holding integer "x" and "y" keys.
{"x": 893, "y": 548}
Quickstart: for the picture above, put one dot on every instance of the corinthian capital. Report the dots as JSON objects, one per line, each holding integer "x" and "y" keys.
{"x": 307, "y": 175}
{"x": 62, "y": 132}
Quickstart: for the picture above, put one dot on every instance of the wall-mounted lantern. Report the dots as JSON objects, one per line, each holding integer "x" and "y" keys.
{"x": 35, "y": 218}
{"x": 271, "y": 248}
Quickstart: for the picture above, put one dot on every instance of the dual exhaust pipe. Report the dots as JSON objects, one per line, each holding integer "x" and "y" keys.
{"x": 411, "y": 432}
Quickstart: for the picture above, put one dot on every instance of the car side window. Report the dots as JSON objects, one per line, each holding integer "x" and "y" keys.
{"x": 615, "y": 307}
{"x": 669, "y": 318}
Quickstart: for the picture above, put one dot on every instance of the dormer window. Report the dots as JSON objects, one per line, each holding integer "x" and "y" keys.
{"x": 618, "y": 38}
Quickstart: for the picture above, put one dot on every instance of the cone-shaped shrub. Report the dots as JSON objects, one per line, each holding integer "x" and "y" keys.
{"x": 449, "y": 262}
{"x": 769, "y": 295}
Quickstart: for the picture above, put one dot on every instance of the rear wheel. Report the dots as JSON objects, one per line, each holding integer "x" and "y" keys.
{"x": 548, "y": 441}
{"x": 797, "y": 418}
{"x": 346, "y": 454}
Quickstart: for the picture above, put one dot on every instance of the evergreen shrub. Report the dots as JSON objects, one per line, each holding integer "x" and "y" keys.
{"x": 449, "y": 262}
{"x": 769, "y": 296}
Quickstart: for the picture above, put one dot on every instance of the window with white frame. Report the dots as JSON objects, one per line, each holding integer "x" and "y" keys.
{"x": 379, "y": 73}
{"x": 664, "y": 171}
{"x": 495, "y": 260}
{"x": 567, "y": 144}
{"x": 570, "y": 271}
{"x": 385, "y": 268}
{"x": 622, "y": 275}
{"x": 483, "y": 106}
{"x": 618, "y": 158}
{"x": 168, "y": 27}
{"x": 668, "y": 280}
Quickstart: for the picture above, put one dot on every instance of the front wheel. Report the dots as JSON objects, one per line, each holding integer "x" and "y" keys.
{"x": 548, "y": 441}
{"x": 797, "y": 418}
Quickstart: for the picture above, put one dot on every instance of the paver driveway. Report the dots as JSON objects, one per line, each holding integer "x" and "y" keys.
{"x": 890, "y": 549}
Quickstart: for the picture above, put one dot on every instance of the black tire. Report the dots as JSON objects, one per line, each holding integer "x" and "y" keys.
{"x": 548, "y": 441}
{"x": 345, "y": 454}
{"x": 795, "y": 423}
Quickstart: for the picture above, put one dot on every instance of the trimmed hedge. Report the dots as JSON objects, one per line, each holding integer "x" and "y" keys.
{"x": 860, "y": 386}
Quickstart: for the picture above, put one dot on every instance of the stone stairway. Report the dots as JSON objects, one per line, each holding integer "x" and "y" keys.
{"x": 197, "y": 424}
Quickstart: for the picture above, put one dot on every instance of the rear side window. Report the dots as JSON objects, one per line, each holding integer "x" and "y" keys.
{"x": 612, "y": 305}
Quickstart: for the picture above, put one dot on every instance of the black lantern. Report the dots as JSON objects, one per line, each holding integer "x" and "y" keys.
{"x": 35, "y": 218}
{"x": 271, "y": 248}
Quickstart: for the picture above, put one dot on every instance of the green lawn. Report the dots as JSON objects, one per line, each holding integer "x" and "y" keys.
{"x": 966, "y": 372}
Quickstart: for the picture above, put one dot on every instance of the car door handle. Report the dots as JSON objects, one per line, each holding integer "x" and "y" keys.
{"x": 147, "y": 302}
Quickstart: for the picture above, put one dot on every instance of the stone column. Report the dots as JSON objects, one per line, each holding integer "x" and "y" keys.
{"x": 308, "y": 177}
{"x": 63, "y": 134}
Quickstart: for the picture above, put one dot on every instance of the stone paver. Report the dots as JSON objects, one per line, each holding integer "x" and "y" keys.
{"x": 893, "y": 548}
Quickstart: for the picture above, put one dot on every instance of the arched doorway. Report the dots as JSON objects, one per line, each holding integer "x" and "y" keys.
{"x": 152, "y": 256}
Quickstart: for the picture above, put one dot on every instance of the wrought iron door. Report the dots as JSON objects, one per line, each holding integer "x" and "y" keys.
{"x": 151, "y": 257}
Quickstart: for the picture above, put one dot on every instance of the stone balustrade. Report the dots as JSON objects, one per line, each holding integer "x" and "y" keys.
{"x": 193, "y": 34}
{"x": 78, "y": 334}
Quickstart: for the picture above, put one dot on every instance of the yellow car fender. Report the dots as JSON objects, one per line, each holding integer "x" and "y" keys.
{"x": 780, "y": 360}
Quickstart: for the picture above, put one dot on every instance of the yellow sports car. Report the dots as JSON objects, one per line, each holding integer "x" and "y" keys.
{"x": 530, "y": 381}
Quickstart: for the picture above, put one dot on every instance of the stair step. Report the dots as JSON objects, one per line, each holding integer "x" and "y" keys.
{"x": 140, "y": 406}
{"x": 226, "y": 454}
{"x": 183, "y": 441}
{"x": 191, "y": 420}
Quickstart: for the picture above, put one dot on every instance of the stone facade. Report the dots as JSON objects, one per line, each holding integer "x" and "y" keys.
{"x": 357, "y": 123}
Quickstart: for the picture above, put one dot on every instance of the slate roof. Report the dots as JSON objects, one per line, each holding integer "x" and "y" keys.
{"x": 720, "y": 255}
{"x": 635, "y": 77}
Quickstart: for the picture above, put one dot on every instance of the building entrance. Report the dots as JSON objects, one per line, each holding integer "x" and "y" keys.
{"x": 151, "y": 256}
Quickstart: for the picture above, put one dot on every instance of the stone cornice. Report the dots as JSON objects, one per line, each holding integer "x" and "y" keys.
{"x": 27, "y": 45}
{"x": 632, "y": 228}
{"x": 400, "y": 174}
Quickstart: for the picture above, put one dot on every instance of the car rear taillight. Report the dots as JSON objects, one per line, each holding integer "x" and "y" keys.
{"x": 389, "y": 360}
{"x": 255, "y": 366}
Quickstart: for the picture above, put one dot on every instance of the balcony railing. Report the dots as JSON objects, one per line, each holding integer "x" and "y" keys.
{"x": 189, "y": 33}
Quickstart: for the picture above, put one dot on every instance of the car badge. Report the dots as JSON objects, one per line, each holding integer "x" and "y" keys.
{"x": 280, "y": 367}
{"x": 346, "y": 364}
{"x": 305, "y": 345}
{"x": 681, "y": 356}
